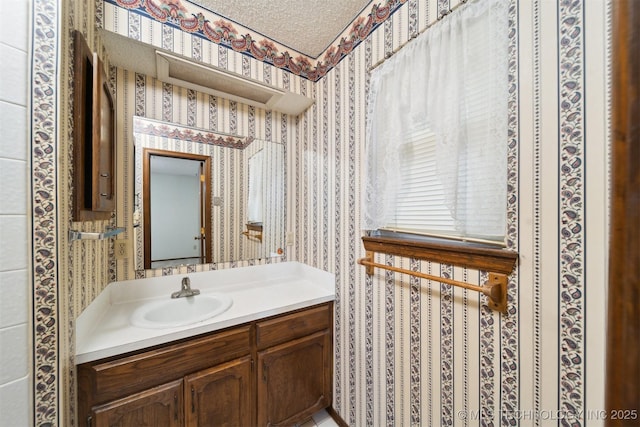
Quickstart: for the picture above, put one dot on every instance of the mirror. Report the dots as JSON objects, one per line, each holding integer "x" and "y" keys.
{"x": 205, "y": 197}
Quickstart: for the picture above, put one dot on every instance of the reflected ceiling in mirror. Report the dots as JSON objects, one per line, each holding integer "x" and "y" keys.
{"x": 246, "y": 185}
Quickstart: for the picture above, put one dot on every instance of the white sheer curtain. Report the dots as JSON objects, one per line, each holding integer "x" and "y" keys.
{"x": 452, "y": 79}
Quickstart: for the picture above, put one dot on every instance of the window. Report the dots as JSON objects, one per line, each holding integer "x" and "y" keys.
{"x": 437, "y": 129}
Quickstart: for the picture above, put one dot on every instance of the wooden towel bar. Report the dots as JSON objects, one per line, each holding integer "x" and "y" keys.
{"x": 497, "y": 262}
{"x": 495, "y": 288}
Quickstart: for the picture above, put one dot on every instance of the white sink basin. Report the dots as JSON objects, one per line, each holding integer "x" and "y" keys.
{"x": 172, "y": 312}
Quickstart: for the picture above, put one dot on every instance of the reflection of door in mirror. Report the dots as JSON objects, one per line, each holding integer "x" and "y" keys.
{"x": 176, "y": 192}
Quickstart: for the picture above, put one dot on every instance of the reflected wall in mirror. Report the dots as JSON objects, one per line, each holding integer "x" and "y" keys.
{"x": 245, "y": 210}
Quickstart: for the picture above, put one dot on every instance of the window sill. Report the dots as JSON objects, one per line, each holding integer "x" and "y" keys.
{"x": 464, "y": 254}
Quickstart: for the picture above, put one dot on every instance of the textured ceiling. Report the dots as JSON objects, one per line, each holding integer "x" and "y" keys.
{"x": 307, "y": 26}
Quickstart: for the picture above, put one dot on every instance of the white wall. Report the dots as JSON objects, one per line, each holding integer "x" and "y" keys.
{"x": 14, "y": 236}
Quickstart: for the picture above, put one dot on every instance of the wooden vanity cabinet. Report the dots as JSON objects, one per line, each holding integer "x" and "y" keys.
{"x": 150, "y": 384}
{"x": 276, "y": 371}
{"x": 295, "y": 366}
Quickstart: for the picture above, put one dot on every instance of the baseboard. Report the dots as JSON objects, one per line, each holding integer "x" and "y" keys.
{"x": 333, "y": 414}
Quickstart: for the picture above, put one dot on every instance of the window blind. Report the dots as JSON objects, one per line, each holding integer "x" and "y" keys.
{"x": 420, "y": 204}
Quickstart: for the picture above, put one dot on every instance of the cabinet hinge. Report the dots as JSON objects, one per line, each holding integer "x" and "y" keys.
{"x": 175, "y": 406}
{"x": 193, "y": 400}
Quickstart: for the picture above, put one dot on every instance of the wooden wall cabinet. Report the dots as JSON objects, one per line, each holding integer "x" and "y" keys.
{"x": 93, "y": 140}
{"x": 272, "y": 372}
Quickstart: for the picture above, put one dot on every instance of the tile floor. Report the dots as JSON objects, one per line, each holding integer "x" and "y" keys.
{"x": 319, "y": 419}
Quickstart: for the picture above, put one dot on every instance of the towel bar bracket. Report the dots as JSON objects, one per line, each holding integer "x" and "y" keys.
{"x": 84, "y": 235}
{"x": 498, "y": 295}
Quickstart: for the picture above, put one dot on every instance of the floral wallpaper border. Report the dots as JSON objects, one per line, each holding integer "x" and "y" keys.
{"x": 44, "y": 110}
{"x": 207, "y": 25}
{"x": 190, "y": 134}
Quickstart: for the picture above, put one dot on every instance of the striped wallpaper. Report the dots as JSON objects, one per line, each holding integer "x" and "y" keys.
{"x": 407, "y": 351}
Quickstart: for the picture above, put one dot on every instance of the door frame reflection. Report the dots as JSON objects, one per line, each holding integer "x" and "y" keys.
{"x": 205, "y": 201}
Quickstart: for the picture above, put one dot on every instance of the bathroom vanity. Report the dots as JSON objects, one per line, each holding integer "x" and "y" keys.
{"x": 266, "y": 360}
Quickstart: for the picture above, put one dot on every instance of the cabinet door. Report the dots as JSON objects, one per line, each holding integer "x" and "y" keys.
{"x": 294, "y": 380}
{"x": 159, "y": 406}
{"x": 220, "y": 396}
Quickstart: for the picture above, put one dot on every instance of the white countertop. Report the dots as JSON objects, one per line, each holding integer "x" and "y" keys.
{"x": 104, "y": 329}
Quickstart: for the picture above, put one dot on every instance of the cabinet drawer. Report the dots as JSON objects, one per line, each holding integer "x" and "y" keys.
{"x": 134, "y": 373}
{"x": 292, "y": 326}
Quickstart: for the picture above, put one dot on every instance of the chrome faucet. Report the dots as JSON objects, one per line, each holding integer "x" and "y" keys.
{"x": 185, "y": 290}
